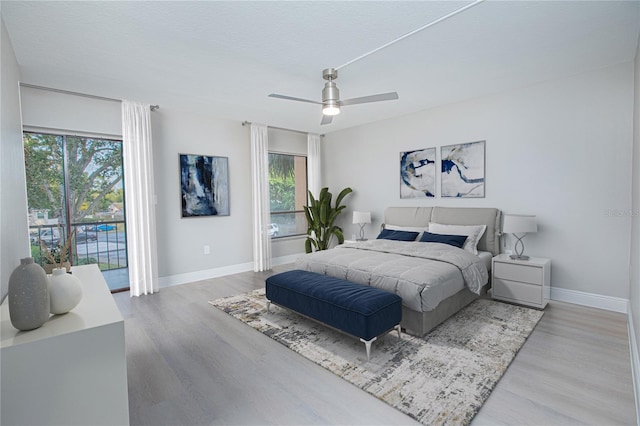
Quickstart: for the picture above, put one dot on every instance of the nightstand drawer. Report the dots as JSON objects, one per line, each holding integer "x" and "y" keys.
{"x": 518, "y": 292}
{"x": 518, "y": 272}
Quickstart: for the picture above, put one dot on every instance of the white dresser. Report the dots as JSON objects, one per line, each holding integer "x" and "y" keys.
{"x": 527, "y": 282}
{"x": 73, "y": 369}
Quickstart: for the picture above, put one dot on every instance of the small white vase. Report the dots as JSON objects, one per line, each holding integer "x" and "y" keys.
{"x": 65, "y": 291}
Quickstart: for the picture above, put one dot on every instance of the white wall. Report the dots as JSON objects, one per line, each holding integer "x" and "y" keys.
{"x": 286, "y": 142}
{"x": 634, "y": 257}
{"x": 181, "y": 241}
{"x": 47, "y": 110}
{"x": 14, "y": 231}
{"x": 560, "y": 150}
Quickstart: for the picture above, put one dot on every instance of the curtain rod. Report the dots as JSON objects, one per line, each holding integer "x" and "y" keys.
{"x": 246, "y": 123}
{"x": 84, "y": 95}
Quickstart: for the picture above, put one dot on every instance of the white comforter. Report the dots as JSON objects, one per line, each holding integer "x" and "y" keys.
{"x": 422, "y": 274}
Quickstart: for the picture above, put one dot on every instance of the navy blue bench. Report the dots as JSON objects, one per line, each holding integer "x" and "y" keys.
{"x": 362, "y": 311}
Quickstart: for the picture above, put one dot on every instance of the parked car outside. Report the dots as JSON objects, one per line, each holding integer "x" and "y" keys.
{"x": 82, "y": 237}
{"x": 273, "y": 229}
{"x": 102, "y": 227}
{"x": 33, "y": 235}
{"x": 50, "y": 236}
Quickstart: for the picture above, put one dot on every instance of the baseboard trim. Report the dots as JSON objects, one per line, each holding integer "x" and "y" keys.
{"x": 635, "y": 360}
{"x": 283, "y": 260}
{"x": 206, "y": 274}
{"x": 616, "y": 304}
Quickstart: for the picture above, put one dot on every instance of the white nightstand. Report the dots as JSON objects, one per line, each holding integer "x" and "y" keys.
{"x": 527, "y": 282}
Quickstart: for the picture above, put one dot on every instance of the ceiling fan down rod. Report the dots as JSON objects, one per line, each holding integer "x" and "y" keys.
{"x": 424, "y": 27}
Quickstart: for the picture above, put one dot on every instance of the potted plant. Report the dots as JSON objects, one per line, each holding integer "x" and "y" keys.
{"x": 58, "y": 255}
{"x": 321, "y": 216}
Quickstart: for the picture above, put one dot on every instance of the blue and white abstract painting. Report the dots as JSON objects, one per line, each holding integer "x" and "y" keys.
{"x": 204, "y": 182}
{"x": 418, "y": 173}
{"x": 462, "y": 172}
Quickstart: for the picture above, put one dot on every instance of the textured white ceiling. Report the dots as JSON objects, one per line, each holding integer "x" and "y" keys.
{"x": 224, "y": 58}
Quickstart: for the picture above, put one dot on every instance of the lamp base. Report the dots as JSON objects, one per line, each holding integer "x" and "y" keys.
{"x": 362, "y": 238}
{"x": 519, "y": 245}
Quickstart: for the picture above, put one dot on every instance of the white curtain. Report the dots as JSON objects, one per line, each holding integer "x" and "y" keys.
{"x": 313, "y": 163}
{"x": 139, "y": 198}
{"x": 260, "y": 193}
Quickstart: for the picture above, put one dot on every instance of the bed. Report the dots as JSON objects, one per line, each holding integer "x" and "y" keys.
{"x": 434, "y": 280}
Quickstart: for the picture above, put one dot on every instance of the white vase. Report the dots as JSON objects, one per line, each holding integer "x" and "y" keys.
{"x": 65, "y": 291}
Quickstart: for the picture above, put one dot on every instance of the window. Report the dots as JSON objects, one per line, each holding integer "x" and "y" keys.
{"x": 288, "y": 192}
{"x": 75, "y": 184}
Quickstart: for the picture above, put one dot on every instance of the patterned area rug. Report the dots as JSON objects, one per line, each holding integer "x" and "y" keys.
{"x": 443, "y": 378}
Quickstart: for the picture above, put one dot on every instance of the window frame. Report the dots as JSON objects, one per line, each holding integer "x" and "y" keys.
{"x": 68, "y": 225}
{"x": 283, "y": 212}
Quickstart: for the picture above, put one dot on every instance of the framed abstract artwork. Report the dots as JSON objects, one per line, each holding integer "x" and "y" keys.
{"x": 418, "y": 173}
{"x": 204, "y": 185}
{"x": 463, "y": 170}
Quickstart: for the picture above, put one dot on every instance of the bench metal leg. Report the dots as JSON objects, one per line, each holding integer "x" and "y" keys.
{"x": 397, "y": 327}
{"x": 268, "y": 304}
{"x": 367, "y": 345}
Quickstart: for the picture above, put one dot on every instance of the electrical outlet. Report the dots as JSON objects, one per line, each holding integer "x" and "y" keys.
{"x": 509, "y": 252}
{"x": 206, "y": 249}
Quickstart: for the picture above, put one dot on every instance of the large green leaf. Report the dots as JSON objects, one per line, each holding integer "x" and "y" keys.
{"x": 343, "y": 194}
{"x": 307, "y": 213}
{"x": 324, "y": 214}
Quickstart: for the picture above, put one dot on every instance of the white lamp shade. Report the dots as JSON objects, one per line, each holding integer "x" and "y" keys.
{"x": 361, "y": 217}
{"x": 519, "y": 224}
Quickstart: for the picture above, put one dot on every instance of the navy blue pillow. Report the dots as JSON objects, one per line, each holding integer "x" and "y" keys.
{"x": 452, "y": 240}
{"x": 389, "y": 234}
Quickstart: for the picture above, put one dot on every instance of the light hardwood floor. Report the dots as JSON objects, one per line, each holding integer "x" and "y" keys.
{"x": 191, "y": 364}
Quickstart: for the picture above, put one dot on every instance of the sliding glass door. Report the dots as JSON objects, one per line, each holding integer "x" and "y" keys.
{"x": 75, "y": 187}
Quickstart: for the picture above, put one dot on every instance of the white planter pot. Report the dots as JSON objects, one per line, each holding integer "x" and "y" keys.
{"x": 65, "y": 291}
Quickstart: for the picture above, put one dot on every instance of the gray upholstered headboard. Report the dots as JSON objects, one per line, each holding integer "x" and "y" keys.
{"x": 421, "y": 216}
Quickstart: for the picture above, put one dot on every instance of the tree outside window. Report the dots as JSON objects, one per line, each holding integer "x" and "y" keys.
{"x": 288, "y": 194}
{"x": 94, "y": 173}
{"x": 76, "y": 184}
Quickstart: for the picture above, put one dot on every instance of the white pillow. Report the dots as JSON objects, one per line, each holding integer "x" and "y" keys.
{"x": 473, "y": 233}
{"x": 408, "y": 229}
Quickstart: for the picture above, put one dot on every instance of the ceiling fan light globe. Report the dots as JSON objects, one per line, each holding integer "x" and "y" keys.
{"x": 330, "y": 110}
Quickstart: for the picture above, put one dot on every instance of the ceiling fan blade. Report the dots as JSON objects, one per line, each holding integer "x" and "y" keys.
{"x": 291, "y": 98}
{"x": 326, "y": 119}
{"x": 372, "y": 98}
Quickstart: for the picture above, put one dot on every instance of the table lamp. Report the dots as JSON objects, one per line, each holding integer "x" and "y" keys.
{"x": 361, "y": 218}
{"x": 519, "y": 224}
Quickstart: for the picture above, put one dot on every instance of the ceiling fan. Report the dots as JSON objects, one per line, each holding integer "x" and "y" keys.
{"x": 331, "y": 102}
